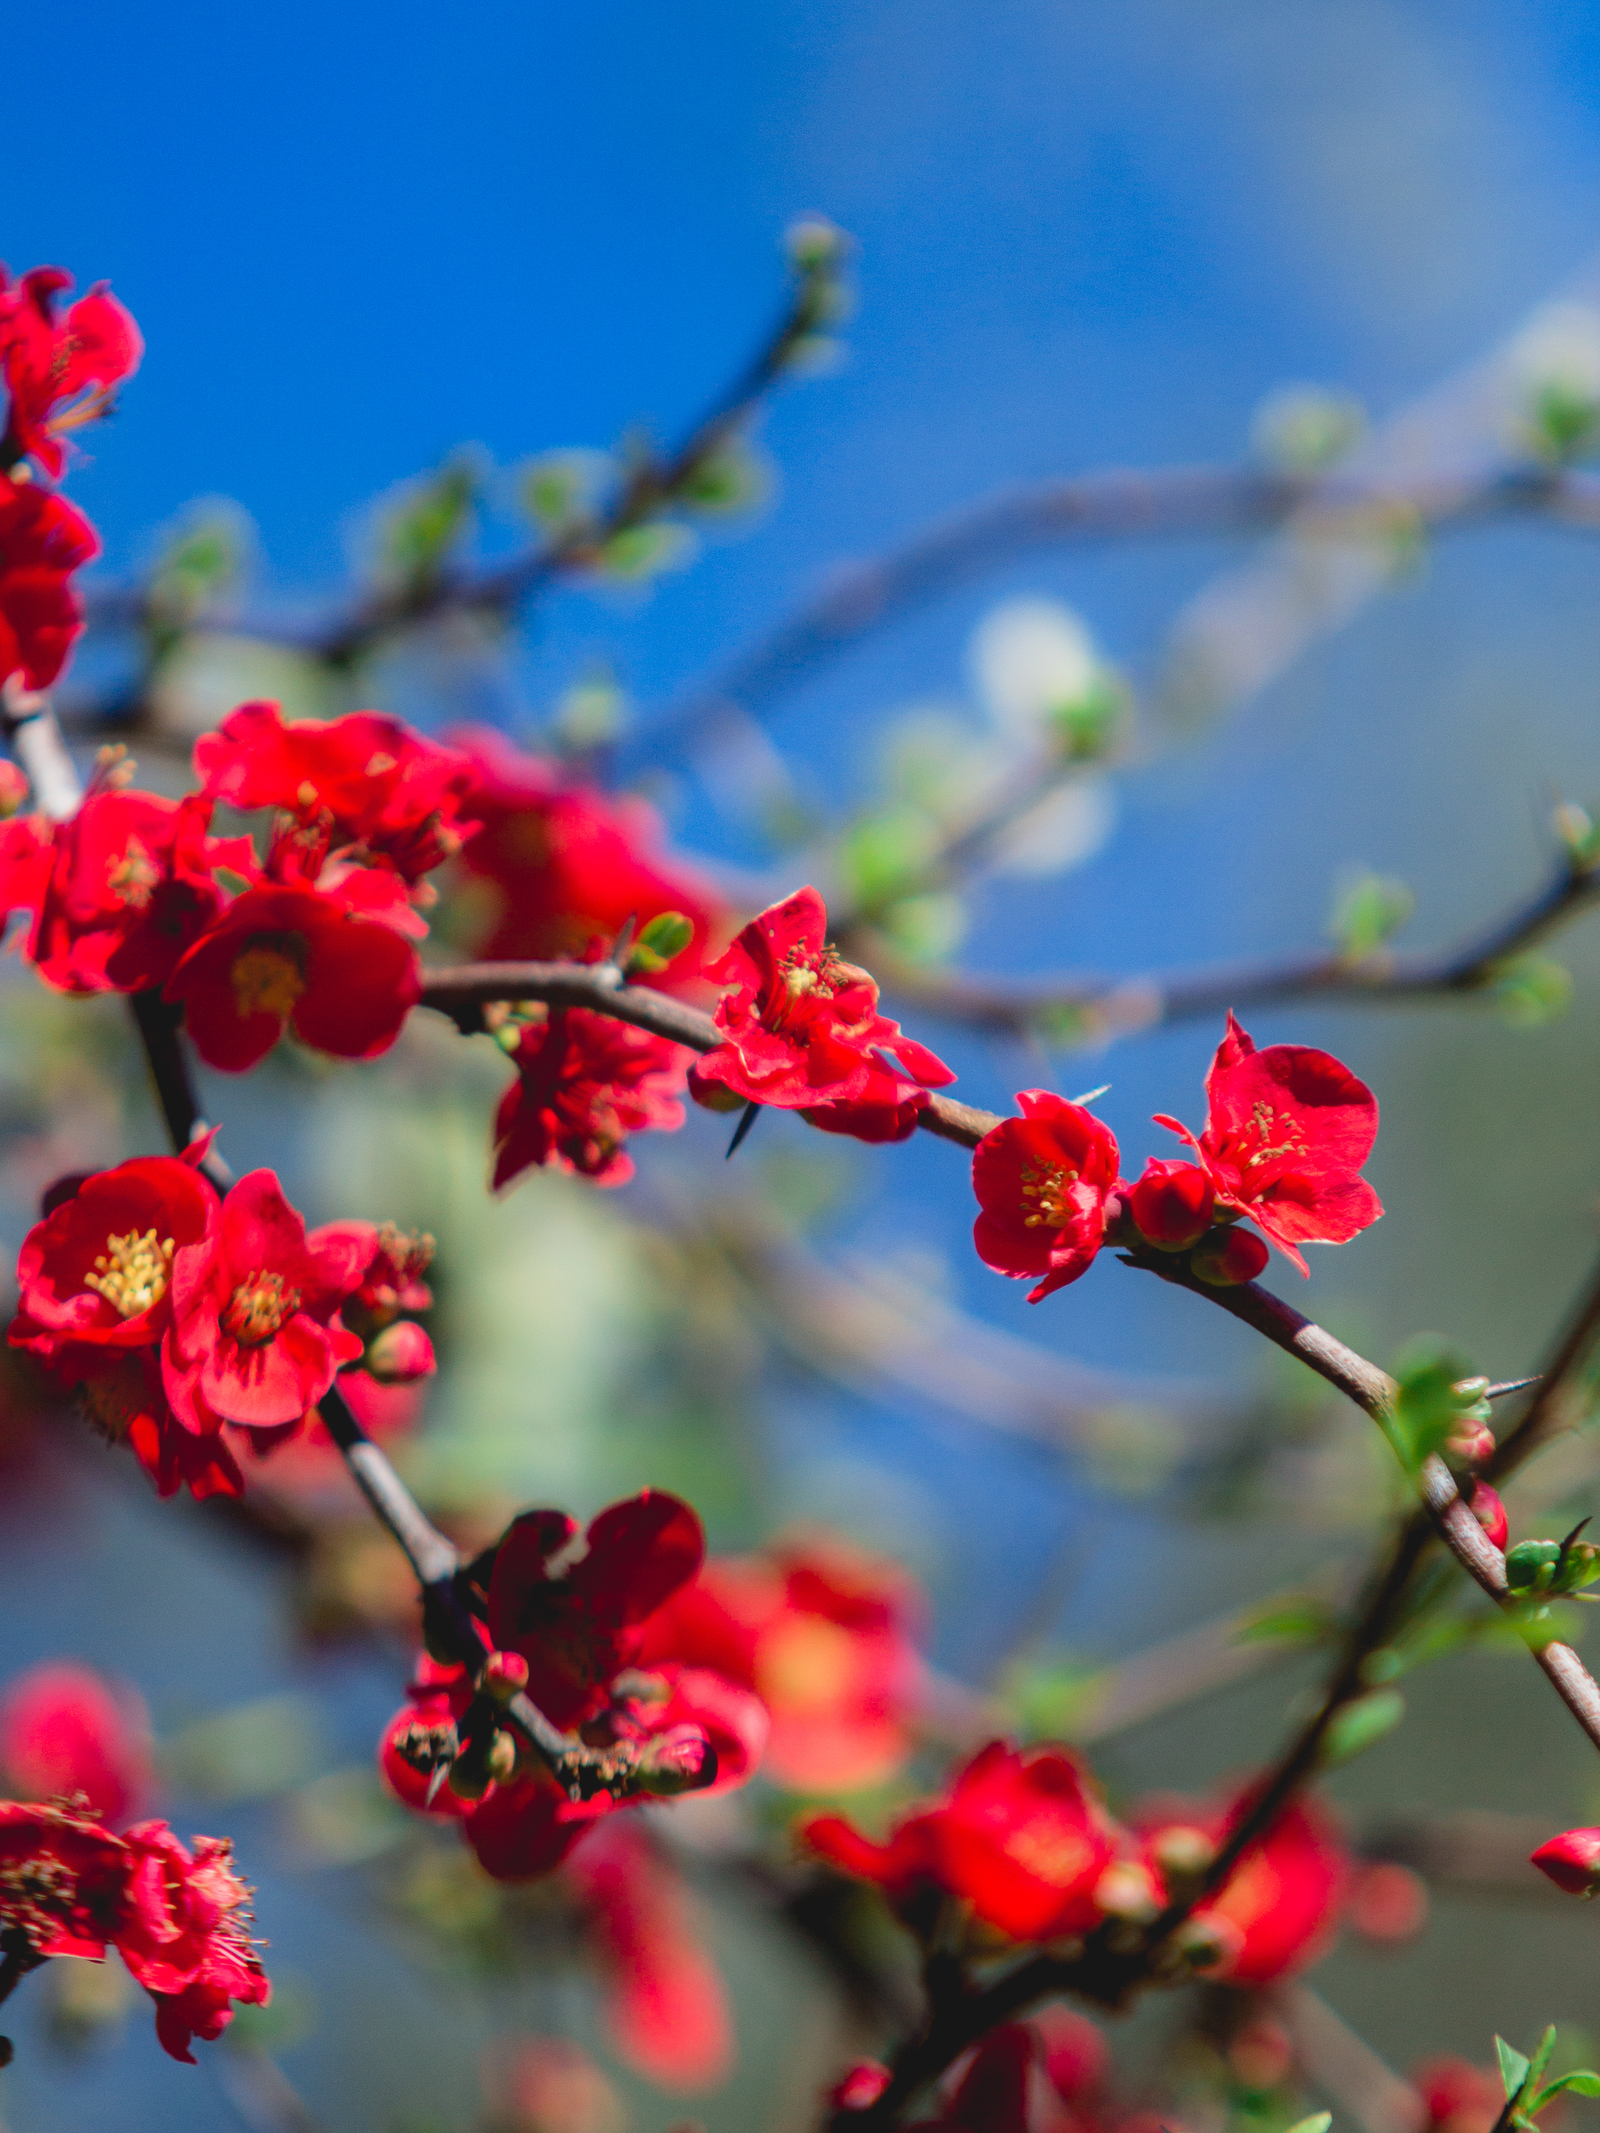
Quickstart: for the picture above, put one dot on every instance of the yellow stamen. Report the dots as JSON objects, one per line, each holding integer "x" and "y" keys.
{"x": 258, "y": 1308}
{"x": 268, "y": 977}
{"x": 1050, "y": 1190}
{"x": 133, "y": 876}
{"x": 132, "y": 1272}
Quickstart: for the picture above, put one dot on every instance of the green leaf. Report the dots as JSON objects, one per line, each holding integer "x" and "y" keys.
{"x": 1581, "y": 2083}
{"x": 1513, "y": 2067}
{"x": 667, "y": 935}
{"x": 1366, "y": 911}
{"x": 1304, "y": 428}
{"x": 425, "y": 521}
{"x": 884, "y": 854}
{"x": 1318, "y": 2122}
{"x": 1530, "y": 990}
{"x": 1087, "y": 724}
{"x": 560, "y": 488}
{"x": 925, "y": 929}
{"x": 731, "y": 478}
{"x": 1298, "y": 1621}
{"x": 638, "y": 553}
{"x": 1541, "y": 2058}
{"x": 1361, "y": 1725}
{"x": 1437, "y": 1391}
{"x": 1563, "y": 421}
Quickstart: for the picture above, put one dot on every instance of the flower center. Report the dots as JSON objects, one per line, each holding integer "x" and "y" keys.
{"x": 132, "y": 877}
{"x": 110, "y": 1407}
{"x": 132, "y": 1272}
{"x": 1052, "y": 1854}
{"x": 1050, "y": 1191}
{"x": 269, "y": 976}
{"x": 35, "y": 1894}
{"x": 258, "y": 1308}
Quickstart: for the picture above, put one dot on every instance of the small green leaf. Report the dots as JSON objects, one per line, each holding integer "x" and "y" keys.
{"x": 641, "y": 552}
{"x": 1318, "y": 2122}
{"x": 884, "y": 854}
{"x": 1437, "y": 1393}
{"x": 1530, "y": 990}
{"x": 1361, "y": 1725}
{"x": 1304, "y": 428}
{"x": 560, "y": 489}
{"x": 1513, "y": 2067}
{"x": 424, "y": 521}
{"x": 731, "y": 478}
{"x": 1581, "y": 2083}
{"x": 1086, "y": 725}
{"x": 1541, "y": 2059}
{"x": 1366, "y": 911}
{"x": 1563, "y": 421}
{"x": 667, "y": 935}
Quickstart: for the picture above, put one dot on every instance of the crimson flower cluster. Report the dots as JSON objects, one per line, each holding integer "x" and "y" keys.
{"x": 179, "y": 1318}
{"x": 1023, "y": 1838}
{"x": 177, "y": 1917}
{"x": 1286, "y": 1133}
{"x": 567, "y": 1619}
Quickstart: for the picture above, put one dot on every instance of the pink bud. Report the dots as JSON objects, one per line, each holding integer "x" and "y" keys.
{"x": 1229, "y": 1257}
{"x": 1572, "y": 1861}
{"x": 1172, "y": 1204}
{"x": 400, "y": 1354}
{"x": 1490, "y": 1513}
{"x": 860, "y": 2088}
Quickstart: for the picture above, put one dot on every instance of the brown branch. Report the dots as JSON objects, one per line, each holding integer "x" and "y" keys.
{"x": 1119, "y": 504}
{"x": 1105, "y": 1008}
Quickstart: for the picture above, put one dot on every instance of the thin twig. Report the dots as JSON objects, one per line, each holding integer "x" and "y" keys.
{"x": 1542, "y": 1416}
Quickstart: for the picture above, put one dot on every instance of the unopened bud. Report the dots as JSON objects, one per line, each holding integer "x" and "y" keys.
{"x": 1182, "y": 1849}
{"x": 1127, "y": 1889}
{"x": 1205, "y": 1940}
{"x": 400, "y": 1354}
{"x": 502, "y": 1757}
{"x": 1490, "y": 1513}
{"x": 679, "y": 1760}
{"x": 505, "y": 1674}
{"x": 1172, "y": 1205}
{"x": 860, "y": 2088}
{"x": 1228, "y": 1257}
{"x": 1572, "y": 1861}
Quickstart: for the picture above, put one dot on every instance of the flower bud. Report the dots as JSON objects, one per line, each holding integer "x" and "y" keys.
{"x": 400, "y": 1354}
{"x": 505, "y": 1674}
{"x": 1172, "y": 1205}
{"x": 1182, "y": 1849}
{"x": 1206, "y": 1938}
{"x": 1572, "y": 1861}
{"x": 1229, "y": 1257}
{"x": 1490, "y": 1513}
{"x": 502, "y": 1761}
{"x": 860, "y": 2088}
{"x": 1471, "y": 1441}
{"x": 679, "y": 1760}
{"x": 1127, "y": 1889}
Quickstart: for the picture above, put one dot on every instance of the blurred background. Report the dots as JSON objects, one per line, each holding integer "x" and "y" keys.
{"x": 366, "y": 244}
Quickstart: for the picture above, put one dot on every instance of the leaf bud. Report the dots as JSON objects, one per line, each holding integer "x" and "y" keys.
{"x": 1228, "y": 1257}
{"x": 502, "y": 1757}
{"x": 1127, "y": 1889}
{"x": 1183, "y": 1849}
{"x": 1572, "y": 1861}
{"x": 1531, "y": 1565}
{"x": 666, "y": 936}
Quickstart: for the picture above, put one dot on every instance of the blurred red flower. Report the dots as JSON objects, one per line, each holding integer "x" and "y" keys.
{"x": 800, "y": 1025}
{"x": 1021, "y": 1837}
{"x": 365, "y": 781}
{"x": 1042, "y": 1181}
{"x": 330, "y": 963}
{"x": 584, "y": 1082}
{"x": 825, "y": 1636}
{"x": 565, "y": 866}
{"x": 1458, "y": 2097}
{"x": 48, "y": 357}
{"x": 65, "y": 1732}
{"x": 665, "y": 2005}
{"x": 1279, "y": 1908}
{"x": 1287, "y": 1131}
{"x": 991, "y": 2095}
{"x": 43, "y": 540}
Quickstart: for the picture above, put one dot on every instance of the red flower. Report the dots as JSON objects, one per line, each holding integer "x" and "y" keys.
{"x": 131, "y": 884}
{"x": 824, "y": 1636}
{"x": 1489, "y": 1511}
{"x": 64, "y": 1732}
{"x": 365, "y": 780}
{"x": 1278, "y": 1909}
{"x": 564, "y": 867}
{"x": 584, "y": 1082}
{"x": 43, "y": 540}
{"x": 577, "y": 1628}
{"x": 800, "y": 1025}
{"x": 62, "y": 1879}
{"x": 1042, "y": 1181}
{"x": 1020, "y": 1837}
{"x": 891, "y": 1103}
{"x": 49, "y": 358}
{"x": 992, "y": 2095}
{"x": 254, "y": 1338}
{"x": 1286, "y": 1134}
{"x": 665, "y": 2003}
{"x": 1571, "y": 1861}
{"x": 182, "y": 1934}
{"x": 330, "y": 963}
{"x": 1458, "y": 2097}
{"x": 1172, "y": 1205}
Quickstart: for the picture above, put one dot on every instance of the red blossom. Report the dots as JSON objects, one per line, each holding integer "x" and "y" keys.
{"x": 62, "y": 1879}
{"x": 1458, "y": 2097}
{"x": 890, "y": 1104}
{"x": 255, "y": 1339}
{"x": 801, "y": 1028}
{"x": 665, "y": 2004}
{"x": 128, "y": 884}
{"x": 365, "y": 781}
{"x": 332, "y": 964}
{"x": 1287, "y": 1131}
{"x": 584, "y": 1082}
{"x": 1043, "y": 1181}
{"x": 43, "y": 540}
{"x": 1489, "y": 1511}
{"x": 64, "y": 1732}
{"x": 1571, "y": 1861}
{"x": 182, "y": 1934}
{"x": 49, "y": 357}
{"x": 1021, "y": 1837}
{"x": 564, "y": 867}
{"x": 826, "y": 1638}
{"x": 1278, "y": 1909}
{"x": 993, "y": 2093}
